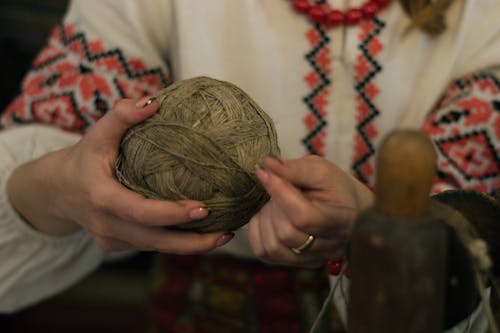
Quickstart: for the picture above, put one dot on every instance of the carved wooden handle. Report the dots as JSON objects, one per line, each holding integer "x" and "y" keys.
{"x": 406, "y": 167}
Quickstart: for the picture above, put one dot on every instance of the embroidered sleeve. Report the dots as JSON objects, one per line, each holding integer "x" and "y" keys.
{"x": 75, "y": 79}
{"x": 90, "y": 61}
{"x": 465, "y": 128}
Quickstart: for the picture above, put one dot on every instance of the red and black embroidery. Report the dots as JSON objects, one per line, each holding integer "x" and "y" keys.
{"x": 366, "y": 69}
{"x": 318, "y": 82}
{"x": 74, "y": 81}
{"x": 465, "y": 127}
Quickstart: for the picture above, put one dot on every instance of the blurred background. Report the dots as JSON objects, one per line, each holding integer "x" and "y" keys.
{"x": 113, "y": 299}
{"x": 24, "y": 28}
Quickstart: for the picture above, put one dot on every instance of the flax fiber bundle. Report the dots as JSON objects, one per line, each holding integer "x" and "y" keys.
{"x": 202, "y": 144}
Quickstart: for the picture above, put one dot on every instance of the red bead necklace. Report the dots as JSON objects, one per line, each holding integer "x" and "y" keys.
{"x": 323, "y": 13}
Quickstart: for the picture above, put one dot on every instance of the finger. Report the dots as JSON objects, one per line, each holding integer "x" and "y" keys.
{"x": 185, "y": 243}
{"x": 259, "y": 237}
{"x": 109, "y": 130}
{"x": 326, "y": 176}
{"x": 289, "y": 237}
{"x": 282, "y": 227}
{"x": 161, "y": 239}
{"x": 294, "y": 205}
{"x": 112, "y": 245}
{"x": 272, "y": 236}
{"x": 271, "y": 247}
{"x": 302, "y": 212}
{"x": 282, "y": 257}
{"x": 131, "y": 206}
{"x": 254, "y": 238}
{"x": 298, "y": 171}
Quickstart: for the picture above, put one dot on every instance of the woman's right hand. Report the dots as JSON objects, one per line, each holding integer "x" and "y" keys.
{"x": 310, "y": 197}
{"x": 75, "y": 187}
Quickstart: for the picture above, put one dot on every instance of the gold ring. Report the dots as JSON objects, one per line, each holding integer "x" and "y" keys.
{"x": 303, "y": 247}
{"x": 150, "y": 101}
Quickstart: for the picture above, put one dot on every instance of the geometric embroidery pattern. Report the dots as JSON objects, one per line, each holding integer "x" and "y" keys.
{"x": 365, "y": 72}
{"x": 318, "y": 84}
{"x": 74, "y": 81}
{"x": 471, "y": 154}
{"x": 465, "y": 127}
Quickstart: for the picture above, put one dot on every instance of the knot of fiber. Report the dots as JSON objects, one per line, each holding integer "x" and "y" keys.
{"x": 202, "y": 144}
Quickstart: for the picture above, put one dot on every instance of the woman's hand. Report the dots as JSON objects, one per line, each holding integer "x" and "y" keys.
{"x": 75, "y": 187}
{"x": 309, "y": 196}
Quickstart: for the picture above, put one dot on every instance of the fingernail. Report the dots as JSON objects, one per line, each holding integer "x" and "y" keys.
{"x": 145, "y": 101}
{"x": 224, "y": 239}
{"x": 199, "y": 213}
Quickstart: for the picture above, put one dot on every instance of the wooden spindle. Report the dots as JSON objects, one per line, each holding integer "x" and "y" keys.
{"x": 398, "y": 249}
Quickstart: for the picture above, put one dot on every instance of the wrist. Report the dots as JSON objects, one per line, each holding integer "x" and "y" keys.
{"x": 30, "y": 190}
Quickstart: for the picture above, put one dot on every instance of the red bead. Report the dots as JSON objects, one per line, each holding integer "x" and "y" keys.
{"x": 383, "y": 3}
{"x": 353, "y": 16}
{"x": 302, "y": 6}
{"x": 322, "y": 13}
{"x": 334, "y": 267}
{"x": 335, "y": 17}
{"x": 317, "y": 14}
{"x": 369, "y": 9}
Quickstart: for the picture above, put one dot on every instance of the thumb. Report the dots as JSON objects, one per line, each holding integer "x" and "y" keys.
{"x": 312, "y": 210}
{"x": 309, "y": 172}
{"x": 109, "y": 130}
{"x": 286, "y": 196}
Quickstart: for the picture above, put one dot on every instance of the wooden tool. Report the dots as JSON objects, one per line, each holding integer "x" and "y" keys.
{"x": 399, "y": 248}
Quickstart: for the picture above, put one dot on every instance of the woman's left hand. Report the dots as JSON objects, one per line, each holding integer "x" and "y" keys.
{"x": 309, "y": 197}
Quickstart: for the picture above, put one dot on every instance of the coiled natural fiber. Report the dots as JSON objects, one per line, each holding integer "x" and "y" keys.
{"x": 202, "y": 144}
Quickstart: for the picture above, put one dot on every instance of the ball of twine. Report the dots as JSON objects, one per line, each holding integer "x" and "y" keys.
{"x": 202, "y": 144}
